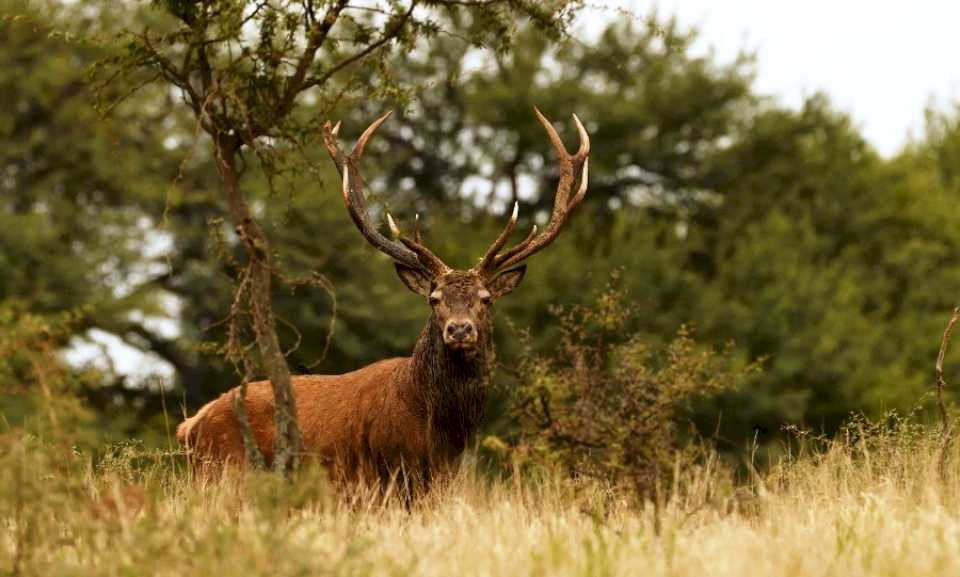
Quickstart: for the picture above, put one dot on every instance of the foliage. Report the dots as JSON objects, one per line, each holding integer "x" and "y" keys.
{"x": 831, "y": 263}
{"x": 38, "y": 393}
{"x": 606, "y": 404}
{"x": 780, "y": 230}
{"x": 80, "y": 196}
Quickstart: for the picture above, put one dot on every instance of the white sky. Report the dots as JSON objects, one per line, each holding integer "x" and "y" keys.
{"x": 880, "y": 61}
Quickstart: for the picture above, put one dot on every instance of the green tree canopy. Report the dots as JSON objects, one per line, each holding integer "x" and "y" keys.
{"x": 780, "y": 230}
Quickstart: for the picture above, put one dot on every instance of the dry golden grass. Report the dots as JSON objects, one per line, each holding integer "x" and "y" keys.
{"x": 864, "y": 505}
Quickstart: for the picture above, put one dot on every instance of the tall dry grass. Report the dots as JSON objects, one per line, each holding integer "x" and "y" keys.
{"x": 870, "y": 502}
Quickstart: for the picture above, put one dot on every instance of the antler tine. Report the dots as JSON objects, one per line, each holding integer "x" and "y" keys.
{"x": 563, "y": 205}
{"x": 568, "y": 161}
{"x": 516, "y": 249}
{"x": 349, "y": 168}
{"x": 555, "y": 139}
{"x": 584, "y": 149}
{"x": 365, "y": 136}
{"x": 425, "y": 256}
{"x": 490, "y": 255}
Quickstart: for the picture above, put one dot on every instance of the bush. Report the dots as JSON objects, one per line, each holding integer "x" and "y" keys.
{"x": 44, "y": 395}
{"x": 37, "y": 390}
{"x": 608, "y": 405}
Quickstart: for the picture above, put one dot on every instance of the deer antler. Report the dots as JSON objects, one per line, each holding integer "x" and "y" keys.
{"x": 408, "y": 252}
{"x": 571, "y": 165}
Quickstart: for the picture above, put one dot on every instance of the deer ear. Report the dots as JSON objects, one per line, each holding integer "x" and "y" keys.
{"x": 506, "y": 281}
{"x": 415, "y": 280}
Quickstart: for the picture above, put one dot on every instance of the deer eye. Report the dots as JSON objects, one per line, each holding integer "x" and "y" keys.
{"x": 435, "y": 297}
{"x": 485, "y": 296}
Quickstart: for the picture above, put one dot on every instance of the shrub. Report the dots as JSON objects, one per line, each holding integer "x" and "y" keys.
{"x": 608, "y": 405}
{"x": 38, "y": 390}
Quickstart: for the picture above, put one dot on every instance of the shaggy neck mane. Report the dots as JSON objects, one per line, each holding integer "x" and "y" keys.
{"x": 449, "y": 386}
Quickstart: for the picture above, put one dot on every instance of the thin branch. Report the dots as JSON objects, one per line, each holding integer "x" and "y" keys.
{"x": 236, "y": 353}
{"x": 387, "y": 37}
{"x": 469, "y": 3}
{"x": 176, "y": 77}
{"x": 308, "y": 13}
{"x": 182, "y": 169}
{"x": 203, "y": 59}
{"x": 296, "y": 333}
{"x": 104, "y": 111}
{"x": 941, "y": 384}
{"x": 250, "y": 448}
{"x": 318, "y": 279}
{"x": 253, "y": 14}
{"x": 295, "y": 84}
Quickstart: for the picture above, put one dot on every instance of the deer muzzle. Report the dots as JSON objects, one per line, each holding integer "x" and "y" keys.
{"x": 459, "y": 333}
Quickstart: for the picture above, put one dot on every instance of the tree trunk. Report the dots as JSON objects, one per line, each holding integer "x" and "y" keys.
{"x": 288, "y": 441}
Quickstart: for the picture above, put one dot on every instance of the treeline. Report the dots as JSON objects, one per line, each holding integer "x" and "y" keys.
{"x": 779, "y": 233}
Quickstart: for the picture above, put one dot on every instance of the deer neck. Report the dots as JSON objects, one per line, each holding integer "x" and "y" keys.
{"x": 449, "y": 386}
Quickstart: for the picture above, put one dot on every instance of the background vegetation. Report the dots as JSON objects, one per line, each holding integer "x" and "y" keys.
{"x": 812, "y": 276}
{"x": 677, "y": 374}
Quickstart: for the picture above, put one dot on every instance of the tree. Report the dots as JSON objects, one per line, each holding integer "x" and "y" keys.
{"x": 779, "y": 229}
{"x": 77, "y": 197}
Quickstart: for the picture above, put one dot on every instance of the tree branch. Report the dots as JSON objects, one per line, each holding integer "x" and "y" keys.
{"x": 941, "y": 385}
{"x": 387, "y": 37}
{"x": 295, "y": 84}
{"x": 288, "y": 441}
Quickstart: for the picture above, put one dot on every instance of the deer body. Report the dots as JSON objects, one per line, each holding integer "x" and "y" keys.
{"x": 412, "y": 414}
{"x": 334, "y": 413}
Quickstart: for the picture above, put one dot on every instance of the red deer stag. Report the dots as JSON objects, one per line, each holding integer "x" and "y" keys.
{"x": 414, "y": 413}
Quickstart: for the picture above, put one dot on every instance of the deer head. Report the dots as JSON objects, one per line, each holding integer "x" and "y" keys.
{"x": 461, "y": 300}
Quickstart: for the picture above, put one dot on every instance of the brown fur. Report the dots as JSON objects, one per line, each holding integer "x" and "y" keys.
{"x": 341, "y": 417}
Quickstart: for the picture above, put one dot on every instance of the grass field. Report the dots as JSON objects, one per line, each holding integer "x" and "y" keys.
{"x": 867, "y": 504}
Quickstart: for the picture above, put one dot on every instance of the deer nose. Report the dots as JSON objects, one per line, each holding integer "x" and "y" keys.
{"x": 460, "y": 331}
